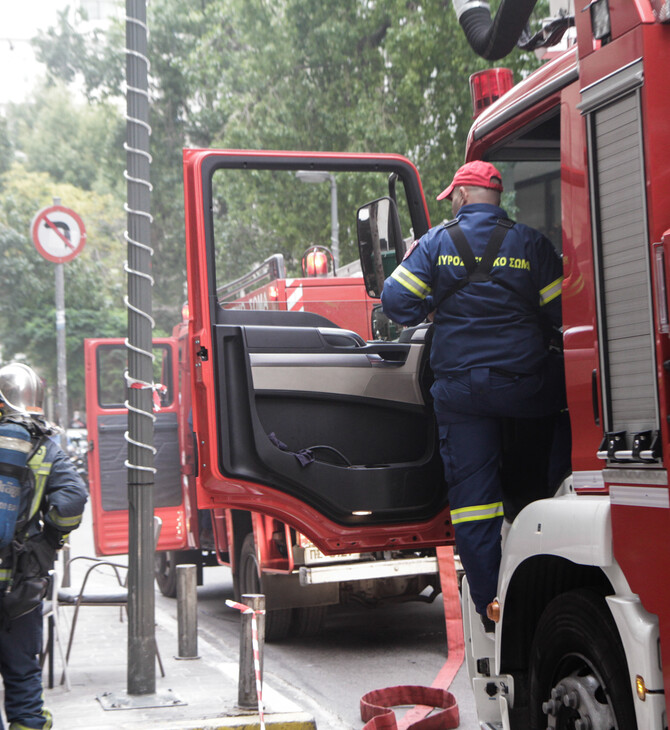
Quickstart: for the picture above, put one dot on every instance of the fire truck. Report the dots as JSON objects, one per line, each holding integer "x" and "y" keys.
{"x": 583, "y": 627}
{"x": 582, "y": 637}
{"x": 265, "y": 554}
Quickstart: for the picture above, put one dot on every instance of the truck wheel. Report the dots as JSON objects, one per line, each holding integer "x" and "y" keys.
{"x": 165, "y": 571}
{"x": 278, "y": 622}
{"x": 578, "y": 669}
{"x": 308, "y": 621}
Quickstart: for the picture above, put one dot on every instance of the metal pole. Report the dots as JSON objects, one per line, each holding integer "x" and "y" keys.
{"x": 334, "y": 223}
{"x": 61, "y": 355}
{"x": 247, "y": 696}
{"x": 187, "y": 611}
{"x": 141, "y": 672}
{"x": 61, "y": 376}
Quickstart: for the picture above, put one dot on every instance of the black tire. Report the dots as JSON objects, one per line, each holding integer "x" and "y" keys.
{"x": 165, "y": 571}
{"x": 578, "y": 667}
{"x": 308, "y": 621}
{"x": 278, "y": 622}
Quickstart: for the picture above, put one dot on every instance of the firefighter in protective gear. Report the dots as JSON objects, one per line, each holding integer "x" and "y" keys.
{"x": 51, "y": 499}
{"x": 493, "y": 290}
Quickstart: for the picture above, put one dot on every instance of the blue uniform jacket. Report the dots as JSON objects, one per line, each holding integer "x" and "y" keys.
{"x": 485, "y": 324}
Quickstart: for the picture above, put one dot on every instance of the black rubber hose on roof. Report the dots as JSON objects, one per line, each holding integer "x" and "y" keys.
{"x": 493, "y": 39}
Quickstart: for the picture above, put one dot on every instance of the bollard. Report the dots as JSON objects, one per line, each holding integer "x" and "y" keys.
{"x": 247, "y": 691}
{"x": 187, "y": 612}
{"x": 65, "y": 552}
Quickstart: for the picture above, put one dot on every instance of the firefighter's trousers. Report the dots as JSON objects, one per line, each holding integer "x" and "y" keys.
{"x": 470, "y": 408}
{"x": 20, "y": 645}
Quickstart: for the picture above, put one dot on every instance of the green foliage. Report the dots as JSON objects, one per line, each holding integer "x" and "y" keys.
{"x": 6, "y": 151}
{"x": 355, "y": 76}
{"x": 72, "y": 142}
{"x": 94, "y": 281}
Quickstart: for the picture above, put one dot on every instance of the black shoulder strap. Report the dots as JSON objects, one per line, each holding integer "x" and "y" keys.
{"x": 462, "y": 246}
{"x": 475, "y": 271}
{"x": 503, "y": 225}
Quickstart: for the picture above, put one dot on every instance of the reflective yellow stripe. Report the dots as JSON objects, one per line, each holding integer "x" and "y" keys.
{"x": 411, "y": 282}
{"x": 5, "y": 574}
{"x": 65, "y": 523}
{"x": 40, "y": 469}
{"x": 48, "y": 721}
{"x": 551, "y": 291}
{"x": 477, "y": 512}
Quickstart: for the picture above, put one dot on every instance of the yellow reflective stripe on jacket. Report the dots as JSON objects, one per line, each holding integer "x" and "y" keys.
{"x": 411, "y": 282}
{"x": 5, "y": 574}
{"x": 477, "y": 512}
{"x": 41, "y": 470}
{"x": 551, "y": 291}
{"x": 65, "y": 524}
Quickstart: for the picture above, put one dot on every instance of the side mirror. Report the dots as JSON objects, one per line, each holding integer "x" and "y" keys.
{"x": 380, "y": 244}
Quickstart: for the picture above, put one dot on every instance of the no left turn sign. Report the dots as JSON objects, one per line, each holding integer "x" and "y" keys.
{"x": 58, "y": 234}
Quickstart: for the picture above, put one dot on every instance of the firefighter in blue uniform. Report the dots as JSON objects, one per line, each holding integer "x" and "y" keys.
{"x": 493, "y": 290}
{"x": 42, "y": 499}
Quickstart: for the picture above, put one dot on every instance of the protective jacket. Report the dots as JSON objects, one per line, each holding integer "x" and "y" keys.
{"x": 502, "y": 323}
{"x": 51, "y": 504}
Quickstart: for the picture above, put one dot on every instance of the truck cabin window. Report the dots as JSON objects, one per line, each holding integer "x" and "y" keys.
{"x": 279, "y": 224}
{"x": 111, "y": 368}
{"x": 531, "y": 168}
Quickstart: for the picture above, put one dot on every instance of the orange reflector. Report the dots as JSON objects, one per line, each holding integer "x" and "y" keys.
{"x": 641, "y": 688}
{"x": 493, "y": 611}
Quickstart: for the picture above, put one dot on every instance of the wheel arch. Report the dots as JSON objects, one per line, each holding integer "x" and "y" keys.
{"x": 554, "y": 545}
{"x": 535, "y": 583}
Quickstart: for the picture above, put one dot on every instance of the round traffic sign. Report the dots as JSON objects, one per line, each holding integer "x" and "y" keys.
{"x": 58, "y": 233}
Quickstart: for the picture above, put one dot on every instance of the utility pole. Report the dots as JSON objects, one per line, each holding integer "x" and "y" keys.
{"x": 141, "y": 673}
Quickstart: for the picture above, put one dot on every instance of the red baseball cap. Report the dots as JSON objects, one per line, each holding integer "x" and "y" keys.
{"x": 479, "y": 173}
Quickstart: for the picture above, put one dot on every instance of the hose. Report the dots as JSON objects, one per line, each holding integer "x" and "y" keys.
{"x": 493, "y": 39}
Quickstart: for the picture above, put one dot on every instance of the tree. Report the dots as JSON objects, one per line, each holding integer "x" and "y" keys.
{"x": 76, "y": 143}
{"x": 93, "y": 292}
{"x": 6, "y": 151}
{"x": 357, "y": 75}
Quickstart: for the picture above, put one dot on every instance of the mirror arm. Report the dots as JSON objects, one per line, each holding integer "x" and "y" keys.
{"x": 393, "y": 178}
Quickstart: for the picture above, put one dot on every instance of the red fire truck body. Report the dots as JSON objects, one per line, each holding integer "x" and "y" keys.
{"x": 263, "y": 553}
{"x": 593, "y": 123}
{"x": 336, "y": 298}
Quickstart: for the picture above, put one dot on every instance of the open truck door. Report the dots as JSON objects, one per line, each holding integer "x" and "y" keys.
{"x": 107, "y": 422}
{"x": 293, "y": 416}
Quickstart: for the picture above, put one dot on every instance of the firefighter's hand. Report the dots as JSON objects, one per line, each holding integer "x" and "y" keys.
{"x": 42, "y": 555}
{"x": 54, "y": 537}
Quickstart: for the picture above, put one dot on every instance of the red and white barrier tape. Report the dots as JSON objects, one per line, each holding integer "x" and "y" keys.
{"x": 158, "y": 389}
{"x": 257, "y": 660}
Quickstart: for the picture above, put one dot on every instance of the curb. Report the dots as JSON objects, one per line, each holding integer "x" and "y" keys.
{"x": 279, "y": 721}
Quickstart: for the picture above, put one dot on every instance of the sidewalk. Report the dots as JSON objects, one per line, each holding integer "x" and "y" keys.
{"x": 200, "y": 693}
{"x": 195, "y": 694}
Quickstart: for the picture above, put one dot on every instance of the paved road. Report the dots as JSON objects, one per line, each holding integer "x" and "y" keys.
{"x": 358, "y": 650}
